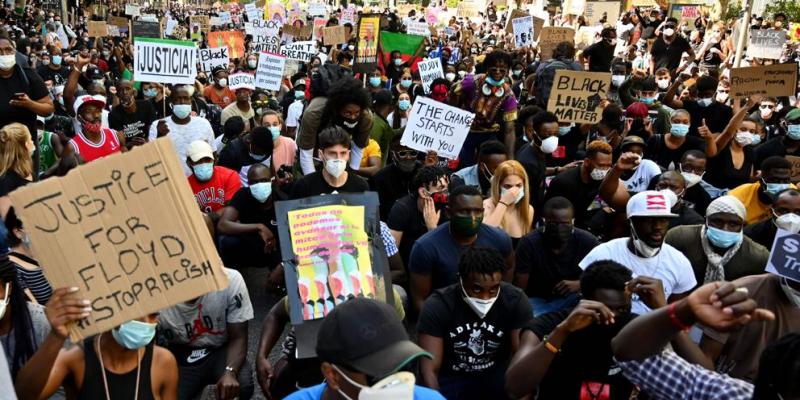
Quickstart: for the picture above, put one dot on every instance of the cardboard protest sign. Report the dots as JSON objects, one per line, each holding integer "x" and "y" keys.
{"x": 270, "y": 71}
{"x": 132, "y": 10}
{"x": 467, "y": 9}
{"x": 300, "y": 51}
{"x": 587, "y": 35}
{"x": 523, "y": 31}
{"x": 253, "y": 12}
{"x": 241, "y": 80}
{"x": 332, "y": 253}
{"x": 203, "y": 21}
{"x": 128, "y": 234}
{"x": 97, "y": 28}
{"x": 685, "y": 13}
{"x": 112, "y": 31}
{"x": 119, "y": 22}
{"x": 196, "y": 33}
{"x": 766, "y": 43}
{"x": 265, "y": 36}
{"x": 317, "y": 9}
{"x": 234, "y": 40}
{"x": 794, "y": 176}
{"x": 574, "y": 7}
{"x": 597, "y": 10}
{"x": 538, "y": 24}
{"x": 437, "y": 126}
{"x": 146, "y": 29}
{"x": 333, "y": 35}
{"x": 771, "y": 80}
{"x": 164, "y": 61}
{"x": 368, "y": 37}
{"x": 784, "y": 259}
{"x": 576, "y": 95}
{"x": 319, "y": 28}
{"x": 297, "y": 32}
{"x": 515, "y": 13}
{"x": 430, "y": 69}
{"x": 418, "y": 28}
{"x": 551, "y": 36}
{"x": 210, "y": 58}
{"x": 213, "y": 21}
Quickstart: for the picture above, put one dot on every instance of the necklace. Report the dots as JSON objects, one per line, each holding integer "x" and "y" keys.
{"x": 105, "y": 379}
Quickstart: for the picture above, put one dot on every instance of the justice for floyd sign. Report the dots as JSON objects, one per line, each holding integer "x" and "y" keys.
{"x": 575, "y": 95}
{"x": 126, "y": 231}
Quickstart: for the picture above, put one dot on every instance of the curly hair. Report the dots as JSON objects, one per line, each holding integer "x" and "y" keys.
{"x": 344, "y": 92}
{"x": 604, "y": 274}
{"x": 481, "y": 261}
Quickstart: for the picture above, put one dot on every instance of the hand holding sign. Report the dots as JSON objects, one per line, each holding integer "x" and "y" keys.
{"x": 64, "y": 308}
{"x": 437, "y": 126}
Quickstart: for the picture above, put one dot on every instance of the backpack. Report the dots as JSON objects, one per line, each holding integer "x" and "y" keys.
{"x": 325, "y": 78}
{"x": 544, "y": 81}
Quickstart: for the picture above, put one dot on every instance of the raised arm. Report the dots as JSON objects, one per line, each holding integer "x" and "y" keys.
{"x": 725, "y": 137}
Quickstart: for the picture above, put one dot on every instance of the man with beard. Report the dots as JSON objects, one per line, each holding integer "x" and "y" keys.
{"x": 645, "y": 252}
{"x": 547, "y": 259}
{"x": 132, "y": 117}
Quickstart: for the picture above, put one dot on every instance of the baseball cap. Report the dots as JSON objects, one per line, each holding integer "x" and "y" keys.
{"x": 299, "y": 82}
{"x": 94, "y": 73}
{"x": 636, "y": 110}
{"x": 631, "y": 140}
{"x": 366, "y": 335}
{"x": 651, "y": 203}
{"x": 199, "y": 150}
{"x": 792, "y": 115}
{"x": 97, "y": 99}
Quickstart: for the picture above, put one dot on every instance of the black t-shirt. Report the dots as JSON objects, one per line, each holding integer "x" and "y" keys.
{"x": 666, "y": 157}
{"x": 762, "y": 232}
{"x": 669, "y": 55}
{"x": 10, "y": 182}
{"x": 405, "y": 217}
{"x": 474, "y": 346}
{"x": 391, "y": 184}
{"x": 545, "y": 268}
{"x": 585, "y": 357}
{"x": 697, "y": 198}
{"x": 716, "y": 115}
{"x": 569, "y": 184}
{"x": 720, "y": 172}
{"x": 535, "y": 167}
{"x": 136, "y": 124}
{"x": 58, "y": 76}
{"x": 773, "y": 147}
{"x": 251, "y": 211}
{"x": 31, "y": 84}
{"x": 601, "y": 54}
{"x": 314, "y": 184}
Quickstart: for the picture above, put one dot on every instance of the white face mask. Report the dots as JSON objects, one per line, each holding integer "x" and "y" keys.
{"x": 7, "y": 62}
{"x": 549, "y": 145}
{"x": 480, "y": 306}
{"x": 744, "y": 138}
{"x": 791, "y": 293}
{"x": 598, "y": 174}
{"x": 397, "y": 386}
{"x": 4, "y": 303}
{"x": 450, "y": 76}
{"x": 788, "y": 222}
{"x": 691, "y": 178}
{"x": 669, "y": 32}
{"x": 520, "y": 194}
{"x": 722, "y": 97}
{"x": 335, "y": 167}
{"x": 662, "y": 83}
{"x": 644, "y": 249}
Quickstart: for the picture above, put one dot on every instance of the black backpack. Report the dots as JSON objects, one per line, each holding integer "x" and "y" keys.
{"x": 544, "y": 81}
{"x": 325, "y": 78}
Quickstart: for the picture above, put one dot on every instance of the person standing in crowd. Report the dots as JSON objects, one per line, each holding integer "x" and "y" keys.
{"x": 546, "y": 265}
{"x": 54, "y": 71}
{"x": 704, "y": 112}
{"x": 334, "y": 151}
{"x": 434, "y": 258}
{"x": 470, "y": 363}
{"x": 104, "y": 366}
{"x": 645, "y": 252}
{"x": 733, "y": 165}
{"x": 599, "y": 55}
{"x": 668, "y": 49}
{"x": 718, "y": 250}
{"x": 758, "y": 197}
{"x": 666, "y": 150}
{"x": 785, "y": 212}
{"x": 508, "y": 207}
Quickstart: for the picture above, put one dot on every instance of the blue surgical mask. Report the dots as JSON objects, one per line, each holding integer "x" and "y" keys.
{"x": 203, "y": 172}
{"x": 56, "y": 60}
{"x": 261, "y": 191}
{"x": 563, "y": 130}
{"x": 398, "y": 61}
{"x": 722, "y": 238}
{"x": 404, "y": 104}
{"x": 493, "y": 82}
{"x": 775, "y": 188}
{"x": 756, "y": 140}
{"x": 704, "y": 102}
{"x": 150, "y": 92}
{"x": 647, "y": 100}
{"x": 406, "y": 83}
{"x": 679, "y": 130}
{"x": 299, "y": 95}
{"x": 134, "y": 334}
{"x": 375, "y": 81}
{"x": 182, "y": 110}
{"x": 257, "y": 157}
{"x": 275, "y": 131}
{"x": 793, "y": 132}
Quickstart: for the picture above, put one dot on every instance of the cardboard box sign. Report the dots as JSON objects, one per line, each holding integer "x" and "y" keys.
{"x": 769, "y": 80}
{"x": 576, "y": 95}
{"x": 125, "y": 230}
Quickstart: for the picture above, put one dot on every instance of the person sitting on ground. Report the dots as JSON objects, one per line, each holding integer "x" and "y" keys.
{"x": 508, "y": 207}
{"x": 785, "y": 215}
{"x": 758, "y": 197}
{"x": 334, "y": 150}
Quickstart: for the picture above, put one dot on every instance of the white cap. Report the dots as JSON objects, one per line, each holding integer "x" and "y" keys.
{"x": 651, "y": 203}
{"x": 97, "y": 99}
{"x": 199, "y": 150}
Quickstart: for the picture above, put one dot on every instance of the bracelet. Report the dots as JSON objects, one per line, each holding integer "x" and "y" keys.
{"x": 550, "y": 347}
{"x": 228, "y": 368}
{"x": 673, "y": 317}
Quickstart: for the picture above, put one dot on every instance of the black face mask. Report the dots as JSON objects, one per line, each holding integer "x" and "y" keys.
{"x": 557, "y": 234}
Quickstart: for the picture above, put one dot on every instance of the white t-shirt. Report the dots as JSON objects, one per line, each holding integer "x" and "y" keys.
{"x": 294, "y": 113}
{"x": 183, "y": 135}
{"x": 390, "y": 120}
{"x": 640, "y": 179}
{"x": 669, "y": 265}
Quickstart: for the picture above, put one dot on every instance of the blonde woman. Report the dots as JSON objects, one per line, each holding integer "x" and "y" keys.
{"x": 16, "y": 164}
{"x": 508, "y": 207}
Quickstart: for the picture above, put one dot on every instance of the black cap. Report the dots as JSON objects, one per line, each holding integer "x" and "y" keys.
{"x": 382, "y": 97}
{"x": 94, "y": 73}
{"x": 367, "y": 336}
{"x": 631, "y": 140}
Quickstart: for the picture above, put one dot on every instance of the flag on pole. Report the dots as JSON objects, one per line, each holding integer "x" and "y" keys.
{"x": 407, "y": 45}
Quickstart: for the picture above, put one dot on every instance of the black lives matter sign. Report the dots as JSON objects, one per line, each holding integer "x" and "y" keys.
{"x": 576, "y": 96}
{"x": 126, "y": 231}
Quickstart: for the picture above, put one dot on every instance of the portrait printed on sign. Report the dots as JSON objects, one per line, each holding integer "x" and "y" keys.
{"x": 368, "y": 30}
{"x": 333, "y": 260}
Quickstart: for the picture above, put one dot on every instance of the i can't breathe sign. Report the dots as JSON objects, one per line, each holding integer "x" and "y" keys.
{"x": 126, "y": 231}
